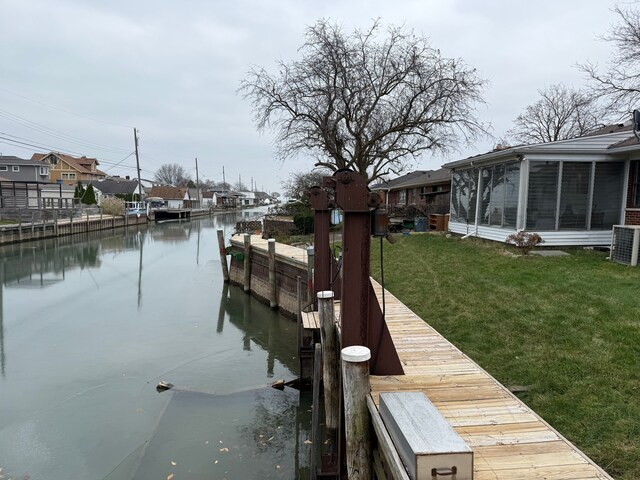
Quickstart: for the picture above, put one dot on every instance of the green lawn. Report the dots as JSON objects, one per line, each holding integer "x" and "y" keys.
{"x": 568, "y": 327}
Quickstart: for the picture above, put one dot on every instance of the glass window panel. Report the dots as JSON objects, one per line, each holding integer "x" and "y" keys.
{"x": 511, "y": 194}
{"x": 636, "y": 184}
{"x": 607, "y": 195}
{"x": 472, "y": 182}
{"x": 542, "y": 196}
{"x": 497, "y": 195}
{"x": 574, "y": 196}
{"x": 487, "y": 198}
{"x": 455, "y": 198}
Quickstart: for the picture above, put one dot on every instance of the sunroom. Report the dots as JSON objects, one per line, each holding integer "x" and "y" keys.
{"x": 570, "y": 192}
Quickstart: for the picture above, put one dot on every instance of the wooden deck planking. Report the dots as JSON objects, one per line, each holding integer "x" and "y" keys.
{"x": 510, "y": 441}
{"x": 299, "y": 255}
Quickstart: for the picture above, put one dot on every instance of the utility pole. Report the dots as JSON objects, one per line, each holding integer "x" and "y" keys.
{"x": 135, "y": 138}
{"x": 197, "y": 183}
{"x": 224, "y": 182}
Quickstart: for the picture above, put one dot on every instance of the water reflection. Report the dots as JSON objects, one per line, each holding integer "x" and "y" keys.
{"x": 78, "y": 397}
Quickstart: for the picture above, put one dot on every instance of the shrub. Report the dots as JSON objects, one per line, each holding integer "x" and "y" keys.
{"x": 525, "y": 241}
{"x": 112, "y": 206}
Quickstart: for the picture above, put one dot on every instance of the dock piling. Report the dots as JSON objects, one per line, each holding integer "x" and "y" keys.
{"x": 329, "y": 363}
{"x": 223, "y": 256}
{"x": 355, "y": 377}
{"x": 247, "y": 263}
{"x": 310, "y": 255}
{"x": 273, "y": 294}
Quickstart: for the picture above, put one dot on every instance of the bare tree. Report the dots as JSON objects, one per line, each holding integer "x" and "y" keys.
{"x": 561, "y": 113}
{"x": 619, "y": 84}
{"x": 239, "y": 186}
{"x": 299, "y": 183}
{"x": 366, "y": 103}
{"x": 172, "y": 174}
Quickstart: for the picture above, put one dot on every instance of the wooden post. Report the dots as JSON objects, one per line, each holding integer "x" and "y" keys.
{"x": 355, "y": 377}
{"x": 315, "y": 413}
{"x": 310, "y": 254}
{"x": 19, "y": 226}
{"x": 55, "y": 222}
{"x": 223, "y": 256}
{"x": 33, "y": 227}
{"x": 247, "y": 262}
{"x": 273, "y": 293}
{"x": 329, "y": 362}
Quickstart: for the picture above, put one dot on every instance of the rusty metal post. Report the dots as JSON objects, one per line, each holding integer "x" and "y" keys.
{"x": 322, "y": 252}
{"x": 362, "y": 320}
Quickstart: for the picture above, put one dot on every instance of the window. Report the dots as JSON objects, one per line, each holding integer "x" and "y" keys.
{"x": 68, "y": 176}
{"x": 464, "y": 192}
{"x": 15, "y": 168}
{"x": 500, "y": 187}
{"x": 3, "y": 168}
{"x": 43, "y": 170}
{"x": 543, "y": 196}
{"x": 574, "y": 195}
{"x": 635, "y": 198}
{"x": 402, "y": 197}
{"x": 607, "y": 195}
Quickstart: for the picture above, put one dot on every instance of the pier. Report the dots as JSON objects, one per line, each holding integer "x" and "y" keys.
{"x": 509, "y": 440}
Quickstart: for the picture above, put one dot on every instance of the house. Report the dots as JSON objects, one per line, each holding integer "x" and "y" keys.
{"x": 570, "y": 192}
{"x": 248, "y": 199}
{"x": 174, "y": 197}
{"x": 226, "y": 199}
{"x": 69, "y": 170}
{"x": 116, "y": 187}
{"x": 422, "y": 191}
{"x": 21, "y": 170}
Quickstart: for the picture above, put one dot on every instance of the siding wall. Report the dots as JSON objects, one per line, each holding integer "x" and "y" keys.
{"x": 632, "y": 214}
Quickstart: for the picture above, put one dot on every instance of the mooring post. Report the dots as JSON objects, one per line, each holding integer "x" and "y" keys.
{"x": 223, "y": 256}
{"x": 310, "y": 255}
{"x": 55, "y": 222}
{"x": 329, "y": 363}
{"x": 19, "y": 226}
{"x": 33, "y": 226}
{"x": 315, "y": 412}
{"x": 273, "y": 294}
{"x": 247, "y": 262}
{"x": 355, "y": 377}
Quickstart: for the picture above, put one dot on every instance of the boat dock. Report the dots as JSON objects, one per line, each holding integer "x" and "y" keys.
{"x": 509, "y": 440}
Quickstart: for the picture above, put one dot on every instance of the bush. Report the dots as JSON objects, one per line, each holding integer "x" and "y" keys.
{"x": 112, "y": 206}
{"x": 525, "y": 241}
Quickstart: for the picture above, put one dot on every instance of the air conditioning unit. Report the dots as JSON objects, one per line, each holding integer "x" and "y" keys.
{"x": 625, "y": 244}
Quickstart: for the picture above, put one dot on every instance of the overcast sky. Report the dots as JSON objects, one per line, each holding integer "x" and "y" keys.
{"x": 92, "y": 70}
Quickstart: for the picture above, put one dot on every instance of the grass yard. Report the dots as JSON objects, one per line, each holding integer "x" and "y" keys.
{"x": 566, "y": 327}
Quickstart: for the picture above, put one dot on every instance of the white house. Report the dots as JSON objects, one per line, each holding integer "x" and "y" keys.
{"x": 570, "y": 192}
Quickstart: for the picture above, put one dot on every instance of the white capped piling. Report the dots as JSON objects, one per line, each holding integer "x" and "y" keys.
{"x": 247, "y": 262}
{"x": 273, "y": 294}
{"x": 355, "y": 378}
{"x": 223, "y": 256}
{"x": 330, "y": 364}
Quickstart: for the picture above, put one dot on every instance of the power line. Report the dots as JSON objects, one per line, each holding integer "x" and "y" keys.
{"x": 60, "y": 109}
{"x": 57, "y": 134}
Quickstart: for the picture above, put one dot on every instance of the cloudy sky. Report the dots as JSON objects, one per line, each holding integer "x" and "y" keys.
{"x": 77, "y": 76}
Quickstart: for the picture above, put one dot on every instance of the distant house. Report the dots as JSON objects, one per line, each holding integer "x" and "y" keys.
{"x": 21, "y": 170}
{"x": 570, "y": 192}
{"x": 226, "y": 199}
{"x": 116, "y": 187}
{"x": 427, "y": 191}
{"x": 196, "y": 197}
{"x": 248, "y": 199}
{"x": 69, "y": 170}
{"x": 174, "y": 197}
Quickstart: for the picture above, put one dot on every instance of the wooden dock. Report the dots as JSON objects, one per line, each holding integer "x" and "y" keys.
{"x": 509, "y": 440}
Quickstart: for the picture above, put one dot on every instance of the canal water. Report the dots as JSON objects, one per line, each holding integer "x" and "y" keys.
{"x": 90, "y": 325}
